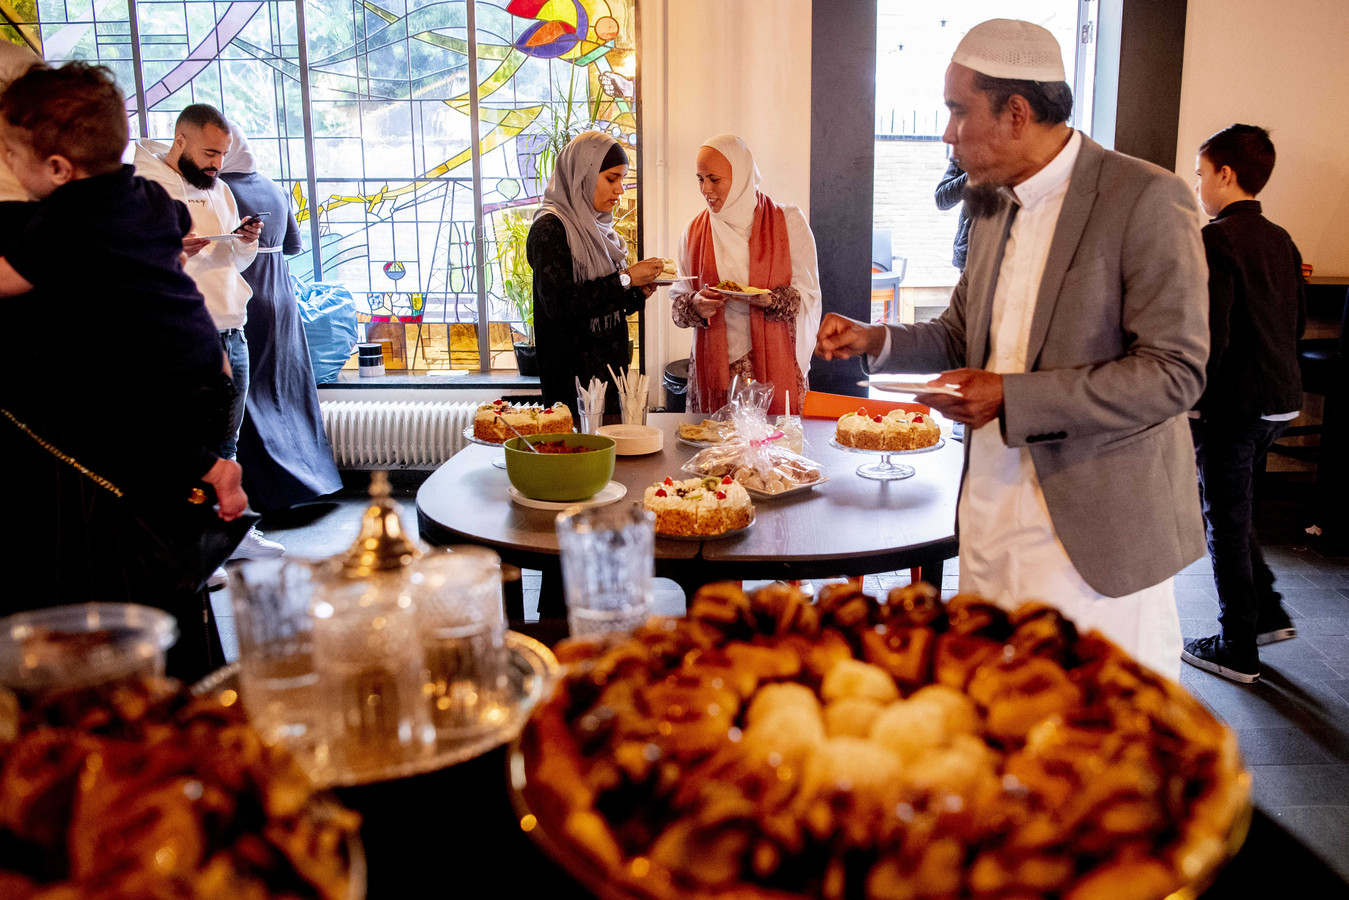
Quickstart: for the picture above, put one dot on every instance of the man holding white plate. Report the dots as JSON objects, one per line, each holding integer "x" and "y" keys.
{"x": 217, "y": 248}
{"x": 1076, "y": 338}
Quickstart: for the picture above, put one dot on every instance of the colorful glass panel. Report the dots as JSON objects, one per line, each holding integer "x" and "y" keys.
{"x": 391, "y": 194}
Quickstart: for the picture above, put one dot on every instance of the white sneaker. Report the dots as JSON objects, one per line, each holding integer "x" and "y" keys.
{"x": 255, "y": 546}
{"x": 218, "y": 580}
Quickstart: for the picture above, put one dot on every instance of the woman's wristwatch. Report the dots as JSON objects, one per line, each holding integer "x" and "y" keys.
{"x": 624, "y": 278}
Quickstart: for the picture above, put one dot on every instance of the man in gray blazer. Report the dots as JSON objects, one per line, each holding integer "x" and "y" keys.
{"x": 1077, "y": 339}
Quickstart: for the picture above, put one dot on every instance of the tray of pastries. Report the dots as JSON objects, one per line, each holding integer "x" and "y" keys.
{"x": 769, "y": 747}
{"x": 137, "y": 789}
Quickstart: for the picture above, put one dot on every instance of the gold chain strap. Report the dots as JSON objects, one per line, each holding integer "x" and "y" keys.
{"x": 54, "y": 451}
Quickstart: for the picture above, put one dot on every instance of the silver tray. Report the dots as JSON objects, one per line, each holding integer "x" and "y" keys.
{"x": 531, "y": 671}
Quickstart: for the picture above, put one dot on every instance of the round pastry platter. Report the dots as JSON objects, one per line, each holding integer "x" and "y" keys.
{"x": 610, "y": 493}
{"x": 884, "y": 470}
{"x": 705, "y": 537}
{"x": 531, "y": 669}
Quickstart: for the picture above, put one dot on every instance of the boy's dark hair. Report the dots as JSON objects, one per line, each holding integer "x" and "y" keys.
{"x": 75, "y": 111}
{"x": 199, "y": 115}
{"x": 1050, "y": 101}
{"x": 1247, "y": 150}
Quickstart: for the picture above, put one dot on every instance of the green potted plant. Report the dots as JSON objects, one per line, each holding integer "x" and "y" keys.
{"x": 517, "y": 282}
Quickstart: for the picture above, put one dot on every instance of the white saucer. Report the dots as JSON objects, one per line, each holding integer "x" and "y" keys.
{"x": 610, "y": 493}
{"x": 633, "y": 440}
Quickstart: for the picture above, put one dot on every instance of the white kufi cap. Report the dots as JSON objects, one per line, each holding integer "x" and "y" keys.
{"x": 1011, "y": 48}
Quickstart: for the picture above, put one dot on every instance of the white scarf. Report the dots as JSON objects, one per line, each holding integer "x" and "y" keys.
{"x": 730, "y": 234}
{"x": 596, "y": 249}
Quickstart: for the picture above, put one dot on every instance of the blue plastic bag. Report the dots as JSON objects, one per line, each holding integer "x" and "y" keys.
{"x": 328, "y": 312}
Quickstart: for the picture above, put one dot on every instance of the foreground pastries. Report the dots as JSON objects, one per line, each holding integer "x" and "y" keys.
{"x": 768, "y": 747}
{"x": 136, "y": 790}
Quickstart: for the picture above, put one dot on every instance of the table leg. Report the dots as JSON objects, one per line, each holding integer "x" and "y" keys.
{"x": 931, "y": 572}
{"x": 513, "y": 592}
{"x": 552, "y": 600}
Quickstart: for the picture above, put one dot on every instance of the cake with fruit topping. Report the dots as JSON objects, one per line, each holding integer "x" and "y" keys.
{"x": 493, "y": 421}
{"x": 894, "y": 430}
{"x": 699, "y": 506}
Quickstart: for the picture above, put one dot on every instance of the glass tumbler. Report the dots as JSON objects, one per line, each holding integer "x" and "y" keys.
{"x": 462, "y": 627}
{"x": 277, "y": 675}
{"x": 590, "y": 413}
{"x": 372, "y": 675}
{"x": 608, "y": 563}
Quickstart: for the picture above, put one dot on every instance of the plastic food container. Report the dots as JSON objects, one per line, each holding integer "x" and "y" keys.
{"x": 66, "y": 647}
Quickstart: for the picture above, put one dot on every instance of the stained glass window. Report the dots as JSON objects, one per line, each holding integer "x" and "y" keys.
{"x": 368, "y": 123}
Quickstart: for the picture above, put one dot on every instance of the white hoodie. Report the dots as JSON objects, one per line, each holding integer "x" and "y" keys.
{"x": 216, "y": 268}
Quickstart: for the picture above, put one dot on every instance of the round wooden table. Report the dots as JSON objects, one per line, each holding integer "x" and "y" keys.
{"x": 847, "y": 526}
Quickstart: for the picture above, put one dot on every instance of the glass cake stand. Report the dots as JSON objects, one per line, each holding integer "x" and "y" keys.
{"x": 500, "y": 461}
{"x": 884, "y": 469}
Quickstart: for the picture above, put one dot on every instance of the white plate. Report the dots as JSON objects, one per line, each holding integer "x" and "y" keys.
{"x": 217, "y": 237}
{"x": 741, "y": 295}
{"x": 700, "y": 445}
{"x": 767, "y": 495}
{"x": 911, "y": 387}
{"x": 662, "y": 280}
{"x": 634, "y": 440}
{"x": 706, "y": 537}
{"x": 610, "y": 493}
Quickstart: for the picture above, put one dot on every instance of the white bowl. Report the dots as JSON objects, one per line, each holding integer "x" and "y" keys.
{"x": 633, "y": 440}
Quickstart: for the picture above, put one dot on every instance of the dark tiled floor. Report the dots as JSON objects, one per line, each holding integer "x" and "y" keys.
{"x": 1293, "y": 724}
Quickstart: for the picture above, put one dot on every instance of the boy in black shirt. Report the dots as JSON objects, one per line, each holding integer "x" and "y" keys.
{"x": 137, "y": 390}
{"x": 107, "y": 244}
{"x": 1257, "y": 312}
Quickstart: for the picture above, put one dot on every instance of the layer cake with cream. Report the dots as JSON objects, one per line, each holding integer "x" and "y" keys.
{"x": 894, "y": 430}
{"x": 699, "y": 506}
{"x": 493, "y": 421}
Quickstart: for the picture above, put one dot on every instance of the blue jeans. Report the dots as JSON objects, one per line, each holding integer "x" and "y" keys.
{"x": 236, "y": 349}
{"x": 1226, "y": 454}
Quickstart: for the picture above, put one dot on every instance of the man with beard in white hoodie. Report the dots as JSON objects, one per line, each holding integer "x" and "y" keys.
{"x": 218, "y": 248}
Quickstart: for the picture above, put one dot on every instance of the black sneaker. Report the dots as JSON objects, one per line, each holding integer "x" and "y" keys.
{"x": 1279, "y": 628}
{"x": 1212, "y": 655}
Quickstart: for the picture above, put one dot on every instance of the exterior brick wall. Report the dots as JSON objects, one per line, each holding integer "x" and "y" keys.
{"x": 907, "y": 173}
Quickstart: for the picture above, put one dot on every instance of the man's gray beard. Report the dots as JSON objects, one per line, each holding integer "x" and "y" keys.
{"x": 981, "y": 200}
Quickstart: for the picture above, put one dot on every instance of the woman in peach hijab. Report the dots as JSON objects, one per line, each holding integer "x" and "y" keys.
{"x": 743, "y": 236}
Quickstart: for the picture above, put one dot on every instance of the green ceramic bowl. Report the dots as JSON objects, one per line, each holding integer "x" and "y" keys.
{"x": 561, "y": 477}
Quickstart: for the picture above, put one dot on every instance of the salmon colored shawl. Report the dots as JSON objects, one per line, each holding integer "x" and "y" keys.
{"x": 773, "y": 344}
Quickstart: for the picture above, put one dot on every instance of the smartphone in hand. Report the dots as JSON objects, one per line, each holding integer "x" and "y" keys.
{"x": 256, "y": 217}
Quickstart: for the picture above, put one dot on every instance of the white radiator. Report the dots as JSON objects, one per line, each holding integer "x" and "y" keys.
{"x": 387, "y": 435}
